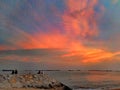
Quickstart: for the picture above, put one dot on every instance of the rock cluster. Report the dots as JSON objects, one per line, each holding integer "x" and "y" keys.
{"x": 28, "y": 81}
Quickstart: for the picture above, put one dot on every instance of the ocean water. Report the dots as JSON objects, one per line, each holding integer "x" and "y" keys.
{"x": 88, "y": 80}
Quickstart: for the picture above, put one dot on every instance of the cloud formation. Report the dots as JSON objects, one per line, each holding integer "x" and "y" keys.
{"x": 69, "y": 26}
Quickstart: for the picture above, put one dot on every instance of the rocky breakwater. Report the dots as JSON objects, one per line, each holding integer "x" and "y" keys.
{"x": 27, "y": 81}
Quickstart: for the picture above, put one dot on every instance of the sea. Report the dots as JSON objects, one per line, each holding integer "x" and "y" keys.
{"x": 83, "y": 79}
{"x": 88, "y": 80}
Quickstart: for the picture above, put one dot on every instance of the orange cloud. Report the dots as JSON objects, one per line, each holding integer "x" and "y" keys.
{"x": 79, "y": 22}
{"x": 2, "y": 47}
{"x": 80, "y": 19}
{"x": 21, "y": 58}
{"x": 91, "y": 55}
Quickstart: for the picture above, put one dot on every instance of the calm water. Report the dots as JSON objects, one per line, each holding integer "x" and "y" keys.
{"x": 87, "y": 80}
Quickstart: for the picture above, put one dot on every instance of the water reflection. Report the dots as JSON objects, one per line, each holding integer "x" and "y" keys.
{"x": 87, "y": 79}
{"x": 103, "y": 76}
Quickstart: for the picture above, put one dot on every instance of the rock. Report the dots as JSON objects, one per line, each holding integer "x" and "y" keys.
{"x": 2, "y": 78}
{"x": 5, "y": 84}
{"x": 17, "y": 85}
{"x": 28, "y": 81}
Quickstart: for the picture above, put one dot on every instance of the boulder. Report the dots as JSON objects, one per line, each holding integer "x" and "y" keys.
{"x": 28, "y": 81}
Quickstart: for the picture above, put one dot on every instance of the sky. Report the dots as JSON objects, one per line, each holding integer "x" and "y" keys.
{"x": 60, "y": 34}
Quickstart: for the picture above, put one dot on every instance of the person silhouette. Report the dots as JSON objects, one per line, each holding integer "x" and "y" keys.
{"x": 15, "y": 72}
{"x": 39, "y": 72}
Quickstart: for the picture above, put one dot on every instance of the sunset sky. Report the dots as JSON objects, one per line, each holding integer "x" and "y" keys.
{"x": 60, "y": 34}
